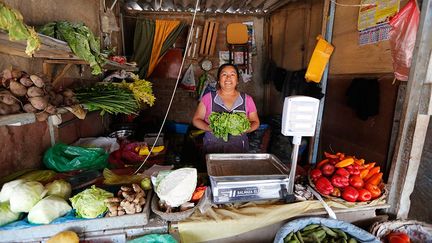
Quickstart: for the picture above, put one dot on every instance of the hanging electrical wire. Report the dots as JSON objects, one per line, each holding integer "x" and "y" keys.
{"x": 175, "y": 88}
{"x": 353, "y": 5}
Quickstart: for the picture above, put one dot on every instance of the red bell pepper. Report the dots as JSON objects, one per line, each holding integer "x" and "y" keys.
{"x": 398, "y": 237}
{"x": 315, "y": 174}
{"x": 364, "y": 195}
{"x": 327, "y": 169}
{"x": 342, "y": 172}
{"x": 356, "y": 181}
{"x": 374, "y": 190}
{"x": 350, "y": 194}
{"x": 324, "y": 186}
{"x": 339, "y": 181}
{"x": 353, "y": 170}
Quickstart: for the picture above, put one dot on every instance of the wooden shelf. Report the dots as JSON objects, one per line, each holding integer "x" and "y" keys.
{"x": 21, "y": 119}
{"x": 54, "y": 50}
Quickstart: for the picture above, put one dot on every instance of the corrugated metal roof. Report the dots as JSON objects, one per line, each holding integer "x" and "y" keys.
{"x": 208, "y": 6}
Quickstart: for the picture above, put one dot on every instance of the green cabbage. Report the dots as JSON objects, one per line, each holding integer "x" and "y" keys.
{"x": 90, "y": 202}
{"x": 26, "y": 195}
{"x": 6, "y": 215}
{"x": 224, "y": 124}
{"x": 8, "y": 189}
{"x": 59, "y": 188}
{"x": 48, "y": 209}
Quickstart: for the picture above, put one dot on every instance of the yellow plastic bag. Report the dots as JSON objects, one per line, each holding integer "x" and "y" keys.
{"x": 320, "y": 58}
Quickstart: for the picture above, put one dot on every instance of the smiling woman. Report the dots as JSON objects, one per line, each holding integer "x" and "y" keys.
{"x": 226, "y": 99}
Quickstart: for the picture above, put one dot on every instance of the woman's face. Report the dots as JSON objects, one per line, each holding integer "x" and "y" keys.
{"x": 228, "y": 78}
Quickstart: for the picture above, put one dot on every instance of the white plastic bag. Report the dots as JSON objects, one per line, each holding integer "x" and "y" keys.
{"x": 188, "y": 80}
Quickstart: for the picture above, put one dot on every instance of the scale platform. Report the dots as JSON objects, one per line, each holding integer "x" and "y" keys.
{"x": 246, "y": 177}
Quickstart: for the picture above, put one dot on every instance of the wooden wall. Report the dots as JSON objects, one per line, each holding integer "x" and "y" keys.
{"x": 292, "y": 36}
{"x": 185, "y": 103}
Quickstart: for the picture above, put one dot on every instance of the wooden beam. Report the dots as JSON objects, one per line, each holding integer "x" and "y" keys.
{"x": 62, "y": 73}
{"x": 409, "y": 148}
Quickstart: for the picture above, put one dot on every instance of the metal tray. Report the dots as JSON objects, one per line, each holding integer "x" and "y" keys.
{"x": 246, "y": 177}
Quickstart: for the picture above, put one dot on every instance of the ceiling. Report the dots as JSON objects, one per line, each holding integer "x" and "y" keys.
{"x": 208, "y": 6}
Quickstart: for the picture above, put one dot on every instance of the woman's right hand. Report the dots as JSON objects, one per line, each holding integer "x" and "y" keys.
{"x": 198, "y": 119}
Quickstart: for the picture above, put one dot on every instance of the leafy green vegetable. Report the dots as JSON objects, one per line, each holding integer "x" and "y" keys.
{"x": 109, "y": 97}
{"x": 25, "y": 196}
{"x": 48, "y": 209}
{"x": 12, "y": 21}
{"x": 80, "y": 39}
{"x": 90, "y": 202}
{"x": 60, "y": 188}
{"x": 6, "y": 215}
{"x": 224, "y": 123}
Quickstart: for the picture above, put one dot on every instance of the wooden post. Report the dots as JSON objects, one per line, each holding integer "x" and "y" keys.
{"x": 415, "y": 120}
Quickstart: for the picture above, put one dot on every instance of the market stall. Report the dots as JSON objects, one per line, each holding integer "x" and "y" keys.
{"x": 119, "y": 126}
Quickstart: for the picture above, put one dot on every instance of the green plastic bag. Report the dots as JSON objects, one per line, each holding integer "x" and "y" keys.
{"x": 62, "y": 158}
{"x": 154, "y": 238}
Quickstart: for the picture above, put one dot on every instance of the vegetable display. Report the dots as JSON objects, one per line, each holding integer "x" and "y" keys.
{"x": 129, "y": 200}
{"x": 6, "y": 215}
{"x": 48, "y": 209}
{"x": 80, "y": 39}
{"x": 90, "y": 203}
{"x": 25, "y": 196}
{"x": 141, "y": 89}
{"x": 319, "y": 233}
{"x": 347, "y": 177}
{"x": 224, "y": 124}
{"x": 59, "y": 188}
{"x": 109, "y": 98}
{"x": 12, "y": 21}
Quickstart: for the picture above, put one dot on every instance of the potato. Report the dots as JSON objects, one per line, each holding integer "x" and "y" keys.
{"x": 68, "y": 93}
{"x": 7, "y": 73}
{"x": 35, "y": 91}
{"x": 14, "y": 108}
{"x": 58, "y": 100}
{"x": 4, "y": 109}
{"x": 17, "y": 74}
{"x": 29, "y": 108}
{"x": 42, "y": 116}
{"x": 17, "y": 88}
{"x": 39, "y": 102}
{"x": 26, "y": 81}
{"x": 51, "y": 109}
{"x": 7, "y": 97}
{"x": 37, "y": 81}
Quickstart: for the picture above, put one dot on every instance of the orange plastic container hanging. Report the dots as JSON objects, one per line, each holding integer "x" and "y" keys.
{"x": 320, "y": 58}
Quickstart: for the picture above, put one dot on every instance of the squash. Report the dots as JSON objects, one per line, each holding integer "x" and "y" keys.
{"x": 64, "y": 237}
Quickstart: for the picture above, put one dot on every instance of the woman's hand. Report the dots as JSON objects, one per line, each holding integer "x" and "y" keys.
{"x": 198, "y": 119}
{"x": 254, "y": 122}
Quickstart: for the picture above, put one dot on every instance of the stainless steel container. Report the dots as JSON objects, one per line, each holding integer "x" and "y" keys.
{"x": 246, "y": 177}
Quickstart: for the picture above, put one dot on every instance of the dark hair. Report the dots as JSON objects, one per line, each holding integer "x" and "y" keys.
{"x": 227, "y": 65}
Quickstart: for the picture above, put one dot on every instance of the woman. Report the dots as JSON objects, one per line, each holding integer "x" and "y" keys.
{"x": 225, "y": 99}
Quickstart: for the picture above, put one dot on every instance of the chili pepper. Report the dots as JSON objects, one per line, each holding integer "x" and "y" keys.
{"x": 343, "y": 172}
{"x": 350, "y": 194}
{"x": 364, "y": 195}
{"x": 324, "y": 186}
{"x": 315, "y": 174}
{"x": 321, "y": 163}
{"x": 363, "y": 173}
{"x": 356, "y": 181}
{"x": 372, "y": 172}
{"x": 359, "y": 162}
{"x": 375, "y": 179}
{"x": 339, "y": 181}
{"x": 398, "y": 237}
{"x": 198, "y": 193}
{"x": 374, "y": 190}
{"x": 336, "y": 192}
{"x": 345, "y": 163}
{"x": 369, "y": 165}
{"x": 331, "y": 156}
{"x": 327, "y": 169}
